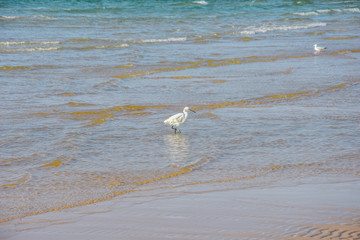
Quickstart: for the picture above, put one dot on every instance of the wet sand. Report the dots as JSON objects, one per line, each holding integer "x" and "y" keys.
{"x": 305, "y": 211}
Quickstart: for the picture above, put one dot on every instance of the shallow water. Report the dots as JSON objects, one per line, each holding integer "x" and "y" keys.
{"x": 85, "y": 88}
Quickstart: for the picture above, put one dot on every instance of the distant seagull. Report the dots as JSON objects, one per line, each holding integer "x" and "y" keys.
{"x": 318, "y": 49}
{"x": 178, "y": 119}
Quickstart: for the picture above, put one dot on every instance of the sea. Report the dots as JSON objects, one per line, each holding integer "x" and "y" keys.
{"x": 85, "y": 87}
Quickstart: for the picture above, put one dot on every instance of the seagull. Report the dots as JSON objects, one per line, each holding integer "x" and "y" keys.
{"x": 178, "y": 119}
{"x": 318, "y": 49}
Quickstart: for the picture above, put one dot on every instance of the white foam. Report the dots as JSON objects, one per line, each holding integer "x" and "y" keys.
{"x": 312, "y": 13}
{"x": 352, "y": 10}
{"x": 38, "y": 17}
{"x": 201, "y": 2}
{"x": 9, "y": 17}
{"x": 33, "y": 49}
{"x": 124, "y": 45}
{"x": 11, "y": 43}
{"x": 182, "y": 39}
{"x": 324, "y": 11}
{"x": 269, "y": 28}
{"x": 327, "y": 11}
{"x": 41, "y": 49}
{"x": 14, "y": 43}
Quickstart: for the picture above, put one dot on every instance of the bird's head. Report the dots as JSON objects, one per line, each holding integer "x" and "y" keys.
{"x": 187, "y": 109}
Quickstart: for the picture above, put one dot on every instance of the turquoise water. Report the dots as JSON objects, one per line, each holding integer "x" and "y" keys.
{"x": 86, "y": 86}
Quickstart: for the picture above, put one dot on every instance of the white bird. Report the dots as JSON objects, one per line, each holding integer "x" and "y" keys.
{"x": 318, "y": 49}
{"x": 178, "y": 119}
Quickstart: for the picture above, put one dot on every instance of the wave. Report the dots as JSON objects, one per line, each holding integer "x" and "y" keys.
{"x": 212, "y": 63}
{"x": 28, "y": 46}
{"x": 124, "y": 45}
{"x": 31, "y": 49}
{"x": 312, "y": 13}
{"x": 8, "y": 17}
{"x": 42, "y": 49}
{"x": 14, "y": 43}
{"x": 118, "y": 185}
{"x": 327, "y": 11}
{"x": 269, "y": 28}
{"x": 77, "y": 44}
{"x": 100, "y": 116}
{"x": 108, "y": 43}
{"x": 105, "y": 44}
{"x": 201, "y": 2}
{"x": 32, "y": 17}
{"x": 48, "y": 49}
{"x": 180, "y": 39}
{"x": 352, "y": 10}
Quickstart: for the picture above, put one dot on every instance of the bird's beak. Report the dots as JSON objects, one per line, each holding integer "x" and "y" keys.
{"x": 192, "y": 110}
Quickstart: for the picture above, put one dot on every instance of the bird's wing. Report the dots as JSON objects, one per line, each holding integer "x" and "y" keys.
{"x": 175, "y": 119}
{"x": 179, "y": 117}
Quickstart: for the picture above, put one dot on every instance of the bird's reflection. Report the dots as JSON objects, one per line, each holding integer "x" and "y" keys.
{"x": 177, "y": 149}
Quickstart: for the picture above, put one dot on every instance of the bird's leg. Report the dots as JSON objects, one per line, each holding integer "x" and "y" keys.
{"x": 174, "y": 128}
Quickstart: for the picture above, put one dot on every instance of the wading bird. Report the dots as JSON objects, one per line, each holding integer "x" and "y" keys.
{"x": 318, "y": 49}
{"x": 178, "y": 119}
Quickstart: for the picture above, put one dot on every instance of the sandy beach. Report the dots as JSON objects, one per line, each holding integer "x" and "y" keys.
{"x": 305, "y": 211}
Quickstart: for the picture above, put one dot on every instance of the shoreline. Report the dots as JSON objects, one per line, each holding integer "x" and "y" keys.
{"x": 309, "y": 210}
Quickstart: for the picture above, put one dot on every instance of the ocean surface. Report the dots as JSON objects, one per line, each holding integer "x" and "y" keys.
{"x": 86, "y": 85}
